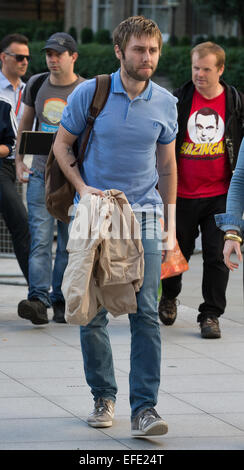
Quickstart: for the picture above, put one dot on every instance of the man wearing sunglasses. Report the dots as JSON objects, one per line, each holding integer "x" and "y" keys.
{"x": 14, "y": 56}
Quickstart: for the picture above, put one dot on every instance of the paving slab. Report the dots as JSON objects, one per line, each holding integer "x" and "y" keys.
{"x": 44, "y": 398}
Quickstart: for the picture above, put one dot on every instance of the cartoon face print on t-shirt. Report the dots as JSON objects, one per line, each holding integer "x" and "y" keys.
{"x": 205, "y": 126}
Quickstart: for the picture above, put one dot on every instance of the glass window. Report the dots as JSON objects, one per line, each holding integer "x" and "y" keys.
{"x": 157, "y": 10}
{"x": 153, "y": 3}
{"x": 104, "y": 14}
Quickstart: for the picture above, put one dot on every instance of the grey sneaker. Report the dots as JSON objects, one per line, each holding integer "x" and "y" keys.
{"x": 148, "y": 423}
{"x": 102, "y": 415}
{"x": 210, "y": 327}
{"x": 167, "y": 310}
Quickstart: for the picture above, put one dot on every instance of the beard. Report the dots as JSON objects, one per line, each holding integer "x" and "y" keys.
{"x": 137, "y": 74}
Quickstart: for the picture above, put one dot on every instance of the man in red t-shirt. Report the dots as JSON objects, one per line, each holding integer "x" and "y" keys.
{"x": 211, "y": 123}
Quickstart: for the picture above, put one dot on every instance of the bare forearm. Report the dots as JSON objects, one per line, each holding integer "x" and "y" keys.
{"x": 63, "y": 151}
{"x": 65, "y": 157}
{"x": 167, "y": 186}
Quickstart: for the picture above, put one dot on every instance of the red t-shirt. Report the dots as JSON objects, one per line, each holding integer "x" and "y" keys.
{"x": 203, "y": 166}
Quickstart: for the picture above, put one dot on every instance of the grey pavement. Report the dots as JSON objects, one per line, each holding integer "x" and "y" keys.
{"x": 44, "y": 399}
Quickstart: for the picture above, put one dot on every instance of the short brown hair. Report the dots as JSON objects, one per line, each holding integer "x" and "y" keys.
{"x": 208, "y": 47}
{"x": 136, "y": 26}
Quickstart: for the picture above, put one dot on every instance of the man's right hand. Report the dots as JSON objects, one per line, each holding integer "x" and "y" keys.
{"x": 84, "y": 189}
{"x": 22, "y": 172}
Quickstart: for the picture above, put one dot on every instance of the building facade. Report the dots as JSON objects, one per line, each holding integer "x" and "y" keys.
{"x": 46, "y": 10}
{"x": 174, "y": 17}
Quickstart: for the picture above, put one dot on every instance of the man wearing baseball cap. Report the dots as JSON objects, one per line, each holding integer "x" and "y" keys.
{"x": 45, "y": 97}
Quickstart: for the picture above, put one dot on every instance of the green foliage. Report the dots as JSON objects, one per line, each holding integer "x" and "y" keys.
{"x": 37, "y": 63}
{"x": 173, "y": 41}
{"x": 35, "y": 30}
{"x": 228, "y": 10}
{"x": 86, "y": 35}
{"x": 221, "y": 40}
{"x": 102, "y": 36}
{"x": 72, "y": 31}
{"x": 234, "y": 69}
{"x": 185, "y": 41}
{"x": 199, "y": 39}
{"x": 175, "y": 64}
{"x": 96, "y": 59}
{"x": 232, "y": 41}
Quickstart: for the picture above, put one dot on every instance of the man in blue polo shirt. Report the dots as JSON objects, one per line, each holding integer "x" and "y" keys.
{"x": 137, "y": 124}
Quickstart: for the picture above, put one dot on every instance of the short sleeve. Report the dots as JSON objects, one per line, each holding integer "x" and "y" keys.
{"x": 170, "y": 125}
{"x": 75, "y": 113}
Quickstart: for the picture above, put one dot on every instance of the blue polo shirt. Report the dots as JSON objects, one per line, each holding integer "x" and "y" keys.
{"x": 121, "y": 153}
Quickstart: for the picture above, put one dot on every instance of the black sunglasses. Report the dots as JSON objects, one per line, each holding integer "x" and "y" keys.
{"x": 18, "y": 57}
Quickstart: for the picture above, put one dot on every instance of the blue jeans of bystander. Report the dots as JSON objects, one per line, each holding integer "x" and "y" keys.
{"x": 41, "y": 273}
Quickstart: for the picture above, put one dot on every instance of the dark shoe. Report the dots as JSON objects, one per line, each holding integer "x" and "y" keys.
{"x": 148, "y": 423}
{"x": 59, "y": 310}
{"x": 210, "y": 327}
{"x": 33, "y": 310}
{"x": 167, "y": 310}
{"x": 103, "y": 414}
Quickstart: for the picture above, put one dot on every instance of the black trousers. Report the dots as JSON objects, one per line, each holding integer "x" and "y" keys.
{"x": 14, "y": 214}
{"x": 190, "y": 215}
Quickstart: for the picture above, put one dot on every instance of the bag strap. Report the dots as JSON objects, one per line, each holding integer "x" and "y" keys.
{"x": 18, "y": 102}
{"x": 36, "y": 85}
{"x": 103, "y": 85}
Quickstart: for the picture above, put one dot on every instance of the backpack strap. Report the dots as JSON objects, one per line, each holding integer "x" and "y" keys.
{"x": 103, "y": 85}
{"x": 36, "y": 85}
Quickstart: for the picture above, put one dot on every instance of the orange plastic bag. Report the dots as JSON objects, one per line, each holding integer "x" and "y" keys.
{"x": 175, "y": 263}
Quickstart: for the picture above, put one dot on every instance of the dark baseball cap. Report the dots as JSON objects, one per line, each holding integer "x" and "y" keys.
{"x": 61, "y": 42}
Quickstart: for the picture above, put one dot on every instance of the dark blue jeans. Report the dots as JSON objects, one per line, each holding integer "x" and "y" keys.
{"x": 190, "y": 215}
{"x": 14, "y": 214}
